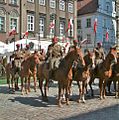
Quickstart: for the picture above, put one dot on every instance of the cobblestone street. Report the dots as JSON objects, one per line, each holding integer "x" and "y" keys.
{"x": 31, "y": 107}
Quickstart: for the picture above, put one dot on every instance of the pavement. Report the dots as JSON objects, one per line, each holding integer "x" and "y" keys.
{"x": 31, "y": 107}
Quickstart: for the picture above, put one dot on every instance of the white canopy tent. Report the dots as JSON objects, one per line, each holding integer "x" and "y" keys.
{"x": 24, "y": 42}
{"x": 3, "y": 47}
{"x": 44, "y": 44}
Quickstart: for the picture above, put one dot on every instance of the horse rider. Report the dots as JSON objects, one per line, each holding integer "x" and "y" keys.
{"x": 16, "y": 63}
{"x": 54, "y": 54}
{"x": 88, "y": 58}
{"x": 27, "y": 52}
{"x": 99, "y": 53}
{"x": 75, "y": 44}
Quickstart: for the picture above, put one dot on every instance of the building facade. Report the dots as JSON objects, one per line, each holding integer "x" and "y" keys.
{"x": 9, "y": 18}
{"x": 104, "y": 12}
{"x": 43, "y": 19}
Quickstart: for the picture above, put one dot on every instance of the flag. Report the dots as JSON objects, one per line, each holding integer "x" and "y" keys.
{"x": 69, "y": 26}
{"x": 95, "y": 25}
{"x": 13, "y": 31}
{"x": 52, "y": 24}
{"x": 26, "y": 34}
{"x": 84, "y": 41}
{"x": 107, "y": 35}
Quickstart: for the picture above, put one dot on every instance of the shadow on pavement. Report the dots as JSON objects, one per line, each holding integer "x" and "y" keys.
{"x": 34, "y": 101}
{"x": 107, "y": 113}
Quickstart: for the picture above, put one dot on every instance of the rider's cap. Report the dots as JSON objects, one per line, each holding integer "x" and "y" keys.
{"x": 54, "y": 39}
{"x": 113, "y": 47}
{"x": 99, "y": 43}
{"x": 18, "y": 45}
{"x": 27, "y": 46}
{"x": 75, "y": 41}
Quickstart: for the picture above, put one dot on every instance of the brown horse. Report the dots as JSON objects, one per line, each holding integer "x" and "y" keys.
{"x": 103, "y": 71}
{"x": 28, "y": 69}
{"x": 12, "y": 73}
{"x": 60, "y": 74}
{"x": 115, "y": 78}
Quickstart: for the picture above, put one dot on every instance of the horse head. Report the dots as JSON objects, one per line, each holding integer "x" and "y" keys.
{"x": 112, "y": 56}
{"x": 79, "y": 55}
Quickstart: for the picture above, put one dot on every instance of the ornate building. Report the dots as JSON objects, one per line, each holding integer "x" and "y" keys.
{"x": 36, "y": 16}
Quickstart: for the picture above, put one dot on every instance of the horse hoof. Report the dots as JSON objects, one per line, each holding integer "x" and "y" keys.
{"x": 60, "y": 105}
{"x": 78, "y": 101}
{"x": 101, "y": 98}
{"x": 84, "y": 101}
{"x": 67, "y": 103}
{"x": 29, "y": 90}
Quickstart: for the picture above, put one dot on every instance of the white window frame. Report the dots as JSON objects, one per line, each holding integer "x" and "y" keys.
{"x": 42, "y": 2}
{"x": 88, "y": 22}
{"x": 62, "y": 5}
{"x": 30, "y": 25}
{"x": 88, "y": 36}
{"x": 52, "y": 30}
{"x": 15, "y": 2}
{"x": 70, "y": 7}
{"x": 62, "y": 28}
{"x": 41, "y": 26}
{"x": 12, "y": 25}
{"x": 31, "y": 1}
{"x": 2, "y": 24}
{"x": 52, "y": 4}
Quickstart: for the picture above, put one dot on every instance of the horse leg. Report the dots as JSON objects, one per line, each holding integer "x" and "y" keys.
{"x": 13, "y": 84}
{"x": 60, "y": 90}
{"x": 118, "y": 88}
{"x": 34, "y": 77}
{"x": 101, "y": 88}
{"x": 22, "y": 86}
{"x": 109, "y": 84}
{"x": 29, "y": 90}
{"x": 26, "y": 85}
{"x": 8, "y": 81}
{"x": 67, "y": 95}
{"x": 79, "y": 91}
{"x": 104, "y": 89}
{"x": 46, "y": 90}
{"x": 41, "y": 86}
{"x": 90, "y": 85}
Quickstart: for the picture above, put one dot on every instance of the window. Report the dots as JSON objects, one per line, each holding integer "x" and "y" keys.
{"x": 104, "y": 23}
{"x": 13, "y": 23}
{"x": 70, "y": 7}
{"x": 14, "y": 18}
{"x": 41, "y": 26}
{"x": 52, "y": 27}
{"x": 14, "y": 2}
{"x": 88, "y": 38}
{"x": 62, "y": 24}
{"x": 52, "y": 4}
{"x": 42, "y": 2}
{"x": 61, "y": 5}
{"x": 78, "y": 24}
{"x": 2, "y": 23}
{"x": 30, "y": 22}
{"x": 70, "y": 31}
{"x": 88, "y": 23}
{"x": 30, "y": 1}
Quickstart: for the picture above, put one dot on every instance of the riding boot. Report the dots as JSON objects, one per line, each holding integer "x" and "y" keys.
{"x": 50, "y": 74}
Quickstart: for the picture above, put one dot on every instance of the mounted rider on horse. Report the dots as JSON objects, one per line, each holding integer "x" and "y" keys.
{"x": 54, "y": 54}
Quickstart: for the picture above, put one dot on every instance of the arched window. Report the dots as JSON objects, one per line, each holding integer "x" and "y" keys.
{"x": 2, "y": 20}
{"x": 14, "y": 17}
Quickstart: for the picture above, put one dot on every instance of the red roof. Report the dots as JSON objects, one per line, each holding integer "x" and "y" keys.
{"x": 87, "y": 6}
